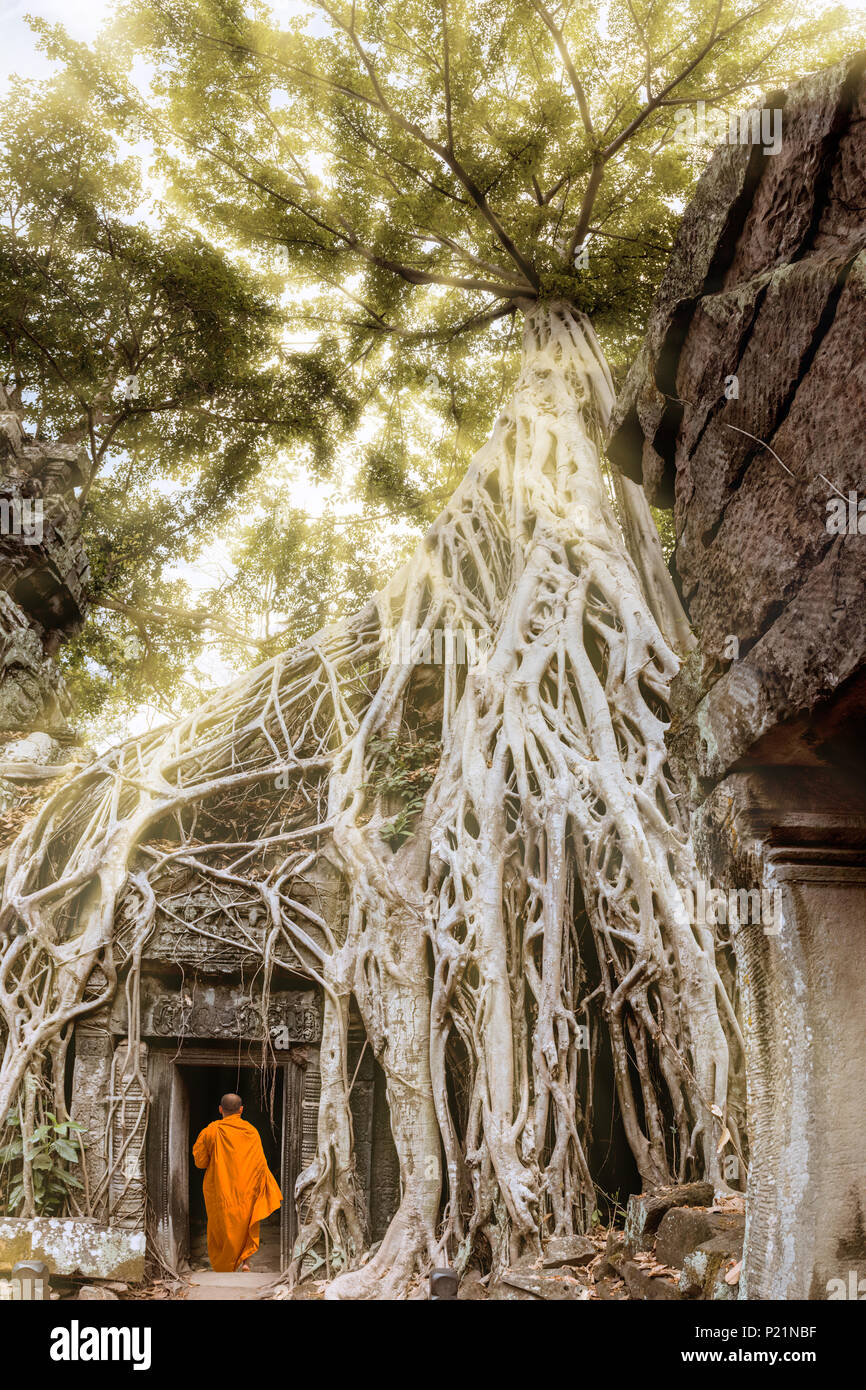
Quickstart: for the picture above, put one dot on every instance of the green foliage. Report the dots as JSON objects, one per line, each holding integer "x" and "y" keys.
{"x": 403, "y": 770}
{"x": 345, "y": 208}
{"x": 429, "y": 166}
{"x": 664, "y": 520}
{"x": 50, "y": 1151}
{"x": 141, "y": 339}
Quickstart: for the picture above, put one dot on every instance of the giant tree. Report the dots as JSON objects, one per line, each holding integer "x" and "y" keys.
{"x": 509, "y": 843}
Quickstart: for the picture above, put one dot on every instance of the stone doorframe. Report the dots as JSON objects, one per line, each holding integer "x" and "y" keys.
{"x": 169, "y": 1151}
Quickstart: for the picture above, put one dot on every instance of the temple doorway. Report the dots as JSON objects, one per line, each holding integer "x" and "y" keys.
{"x": 187, "y": 1080}
{"x": 263, "y": 1108}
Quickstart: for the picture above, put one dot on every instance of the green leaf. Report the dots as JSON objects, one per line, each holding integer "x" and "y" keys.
{"x": 66, "y": 1150}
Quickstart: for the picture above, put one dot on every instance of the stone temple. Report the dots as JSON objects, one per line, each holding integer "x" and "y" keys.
{"x": 199, "y": 1011}
{"x": 202, "y": 1033}
{"x": 744, "y": 412}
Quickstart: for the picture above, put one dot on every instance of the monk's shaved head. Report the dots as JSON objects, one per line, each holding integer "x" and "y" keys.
{"x": 231, "y": 1104}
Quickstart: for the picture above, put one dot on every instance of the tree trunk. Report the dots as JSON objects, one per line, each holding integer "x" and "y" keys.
{"x": 552, "y": 772}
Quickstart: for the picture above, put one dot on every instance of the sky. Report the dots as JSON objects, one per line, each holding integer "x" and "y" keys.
{"x": 18, "y": 53}
{"x": 82, "y": 18}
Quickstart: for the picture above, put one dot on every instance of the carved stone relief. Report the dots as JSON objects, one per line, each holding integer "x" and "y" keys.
{"x": 204, "y": 1009}
{"x": 127, "y": 1191}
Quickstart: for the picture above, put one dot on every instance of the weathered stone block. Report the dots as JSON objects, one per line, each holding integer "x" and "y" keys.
{"x": 815, "y": 111}
{"x": 72, "y": 1246}
{"x": 551, "y": 1286}
{"x": 814, "y": 646}
{"x": 683, "y": 1229}
{"x": 644, "y": 1212}
{"x": 611, "y": 1291}
{"x": 568, "y": 1250}
{"x": 704, "y": 1268}
{"x": 721, "y": 452}
{"x": 614, "y": 1254}
{"x": 680, "y": 1231}
{"x": 644, "y": 1286}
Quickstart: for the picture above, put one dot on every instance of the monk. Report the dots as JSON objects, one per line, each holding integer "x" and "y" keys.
{"x": 239, "y": 1188}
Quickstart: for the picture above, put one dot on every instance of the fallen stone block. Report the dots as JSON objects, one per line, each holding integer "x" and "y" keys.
{"x": 645, "y": 1211}
{"x": 683, "y": 1229}
{"x": 568, "y": 1250}
{"x": 647, "y": 1287}
{"x": 611, "y": 1291}
{"x": 472, "y": 1289}
{"x": 704, "y": 1269}
{"x": 614, "y": 1254}
{"x": 93, "y": 1293}
{"x": 545, "y": 1284}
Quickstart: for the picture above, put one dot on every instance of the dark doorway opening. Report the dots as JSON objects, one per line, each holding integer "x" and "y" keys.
{"x": 263, "y": 1108}
{"x": 608, "y": 1152}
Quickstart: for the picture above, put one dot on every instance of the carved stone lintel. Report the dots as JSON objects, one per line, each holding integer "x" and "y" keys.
{"x": 202, "y": 1009}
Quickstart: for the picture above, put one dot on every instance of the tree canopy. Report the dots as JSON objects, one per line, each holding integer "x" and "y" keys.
{"x": 347, "y": 207}
{"x": 139, "y": 338}
{"x": 430, "y": 165}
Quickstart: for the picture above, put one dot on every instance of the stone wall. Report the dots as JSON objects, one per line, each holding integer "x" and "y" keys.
{"x": 199, "y": 1004}
{"x": 86, "y": 1249}
{"x": 746, "y": 412}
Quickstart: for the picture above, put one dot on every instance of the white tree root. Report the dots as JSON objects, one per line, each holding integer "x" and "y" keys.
{"x": 550, "y": 828}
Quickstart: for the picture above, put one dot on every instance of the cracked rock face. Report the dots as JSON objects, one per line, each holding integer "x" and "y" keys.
{"x": 745, "y": 412}
{"x": 742, "y": 411}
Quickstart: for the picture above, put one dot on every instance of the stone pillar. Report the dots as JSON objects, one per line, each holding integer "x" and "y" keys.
{"x": 310, "y": 1108}
{"x": 127, "y": 1191}
{"x": 91, "y": 1088}
{"x": 803, "y": 986}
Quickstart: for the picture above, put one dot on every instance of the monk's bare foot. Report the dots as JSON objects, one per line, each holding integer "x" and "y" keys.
{"x": 245, "y": 1269}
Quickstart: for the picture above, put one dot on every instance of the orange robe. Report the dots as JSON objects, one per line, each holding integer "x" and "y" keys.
{"x": 239, "y": 1189}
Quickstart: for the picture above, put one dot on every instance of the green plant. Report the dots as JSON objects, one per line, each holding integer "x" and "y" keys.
{"x": 49, "y": 1151}
{"x": 403, "y": 768}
